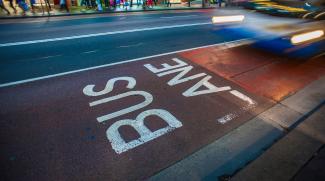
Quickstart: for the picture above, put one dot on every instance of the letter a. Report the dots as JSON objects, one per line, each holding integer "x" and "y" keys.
{"x": 193, "y": 91}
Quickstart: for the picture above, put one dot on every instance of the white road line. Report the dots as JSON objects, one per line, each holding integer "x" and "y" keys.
{"x": 101, "y": 34}
{"x": 238, "y": 42}
{"x": 92, "y": 51}
{"x": 51, "y": 56}
{"x": 128, "y": 46}
{"x": 236, "y": 114}
{"x": 178, "y": 16}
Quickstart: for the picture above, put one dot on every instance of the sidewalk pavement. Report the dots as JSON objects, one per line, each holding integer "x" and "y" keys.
{"x": 288, "y": 159}
{"x": 41, "y": 11}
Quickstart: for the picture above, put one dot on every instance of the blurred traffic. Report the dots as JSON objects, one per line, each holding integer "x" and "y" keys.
{"x": 299, "y": 39}
{"x": 299, "y": 9}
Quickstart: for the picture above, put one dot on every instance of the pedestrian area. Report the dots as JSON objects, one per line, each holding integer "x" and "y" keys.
{"x": 64, "y": 7}
{"x": 192, "y": 115}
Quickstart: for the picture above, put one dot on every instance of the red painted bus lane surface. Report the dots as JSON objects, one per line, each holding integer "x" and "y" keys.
{"x": 272, "y": 76}
{"x": 123, "y": 122}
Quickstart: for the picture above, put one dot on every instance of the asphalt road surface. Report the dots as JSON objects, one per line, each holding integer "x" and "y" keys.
{"x": 123, "y": 97}
{"x": 75, "y": 43}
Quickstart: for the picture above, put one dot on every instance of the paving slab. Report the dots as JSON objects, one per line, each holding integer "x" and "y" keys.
{"x": 314, "y": 169}
{"x": 286, "y": 157}
{"x": 282, "y": 115}
{"x": 308, "y": 98}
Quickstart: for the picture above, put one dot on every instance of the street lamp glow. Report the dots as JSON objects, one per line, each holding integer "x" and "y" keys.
{"x": 306, "y": 36}
{"x": 227, "y": 19}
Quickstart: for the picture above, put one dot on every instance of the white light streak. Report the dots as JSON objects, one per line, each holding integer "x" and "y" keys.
{"x": 300, "y": 38}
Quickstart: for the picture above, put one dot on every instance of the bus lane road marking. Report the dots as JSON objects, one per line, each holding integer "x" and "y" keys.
{"x": 140, "y": 117}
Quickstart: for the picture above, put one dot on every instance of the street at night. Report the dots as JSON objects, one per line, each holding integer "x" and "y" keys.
{"x": 219, "y": 93}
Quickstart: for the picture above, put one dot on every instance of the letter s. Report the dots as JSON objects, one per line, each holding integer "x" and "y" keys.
{"x": 89, "y": 89}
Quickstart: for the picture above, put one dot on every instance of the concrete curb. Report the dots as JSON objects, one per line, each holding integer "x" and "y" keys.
{"x": 285, "y": 158}
{"x": 307, "y": 135}
{"x": 227, "y": 155}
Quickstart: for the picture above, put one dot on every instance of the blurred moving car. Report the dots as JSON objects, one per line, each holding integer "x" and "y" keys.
{"x": 303, "y": 39}
{"x": 289, "y": 8}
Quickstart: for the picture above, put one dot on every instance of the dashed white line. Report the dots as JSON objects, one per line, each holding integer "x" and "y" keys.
{"x": 178, "y": 16}
{"x": 127, "y": 46}
{"x": 51, "y": 56}
{"x": 237, "y": 42}
{"x": 92, "y": 51}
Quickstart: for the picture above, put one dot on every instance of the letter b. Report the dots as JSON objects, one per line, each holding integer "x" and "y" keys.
{"x": 118, "y": 143}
